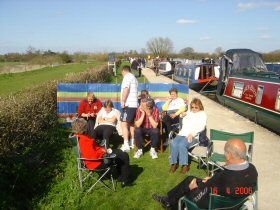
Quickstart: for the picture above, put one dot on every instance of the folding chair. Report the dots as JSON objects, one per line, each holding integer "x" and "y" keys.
{"x": 84, "y": 173}
{"x": 148, "y": 140}
{"x": 199, "y": 151}
{"x": 216, "y": 159}
{"x": 217, "y": 202}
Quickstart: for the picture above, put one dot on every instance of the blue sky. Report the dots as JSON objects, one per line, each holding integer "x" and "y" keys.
{"x": 119, "y": 25}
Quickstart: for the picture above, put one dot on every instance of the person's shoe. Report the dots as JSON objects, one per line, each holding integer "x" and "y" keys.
{"x": 153, "y": 153}
{"x": 125, "y": 148}
{"x": 185, "y": 169}
{"x": 132, "y": 146}
{"x": 138, "y": 154}
{"x": 131, "y": 142}
{"x": 126, "y": 184}
{"x": 173, "y": 168}
{"x": 162, "y": 199}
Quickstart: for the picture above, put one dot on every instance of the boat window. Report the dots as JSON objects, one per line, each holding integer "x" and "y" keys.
{"x": 237, "y": 89}
{"x": 277, "y": 104}
{"x": 259, "y": 94}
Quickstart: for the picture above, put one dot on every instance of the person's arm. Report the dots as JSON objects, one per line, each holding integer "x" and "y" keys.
{"x": 140, "y": 119}
{"x": 153, "y": 117}
{"x": 124, "y": 96}
{"x": 81, "y": 110}
{"x": 181, "y": 110}
{"x": 166, "y": 105}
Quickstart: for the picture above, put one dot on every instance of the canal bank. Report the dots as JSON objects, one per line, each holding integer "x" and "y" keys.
{"x": 266, "y": 151}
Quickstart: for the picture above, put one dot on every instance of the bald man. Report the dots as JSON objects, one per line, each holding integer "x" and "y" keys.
{"x": 237, "y": 180}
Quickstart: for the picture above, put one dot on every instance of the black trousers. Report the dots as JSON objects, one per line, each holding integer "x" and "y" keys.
{"x": 182, "y": 189}
{"x": 104, "y": 132}
{"x": 90, "y": 126}
{"x": 123, "y": 166}
{"x": 152, "y": 132}
{"x": 168, "y": 121}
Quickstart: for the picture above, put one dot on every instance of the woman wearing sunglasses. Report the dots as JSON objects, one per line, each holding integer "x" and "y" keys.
{"x": 193, "y": 123}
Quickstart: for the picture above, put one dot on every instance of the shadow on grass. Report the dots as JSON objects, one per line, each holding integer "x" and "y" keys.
{"x": 135, "y": 172}
{"x": 26, "y": 176}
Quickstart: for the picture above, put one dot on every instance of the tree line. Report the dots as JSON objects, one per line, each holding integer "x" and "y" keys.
{"x": 155, "y": 47}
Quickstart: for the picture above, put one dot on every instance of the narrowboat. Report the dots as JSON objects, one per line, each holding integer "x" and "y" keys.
{"x": 248, "y": 87}
{"x": 273, "y": 67}
{"x": 166, "y": 68}
{"x": 201, "y": 77}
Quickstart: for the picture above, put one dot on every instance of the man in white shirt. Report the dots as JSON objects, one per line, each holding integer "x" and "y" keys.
{"x": 173, "y": 108}
{"x": 129, "y": 103}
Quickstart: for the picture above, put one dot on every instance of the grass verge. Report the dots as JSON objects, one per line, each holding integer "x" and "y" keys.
{"x": 12, "y": 83}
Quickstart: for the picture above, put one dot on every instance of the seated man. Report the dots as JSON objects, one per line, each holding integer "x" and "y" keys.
{"x": 173, "y": 107}
{"x": 106, "y": 120}
{"x": 146, "y": 122}
{"x": 237, "y": 174}
{"x": 88, "y": 110}
{"x": 91, "y": 150}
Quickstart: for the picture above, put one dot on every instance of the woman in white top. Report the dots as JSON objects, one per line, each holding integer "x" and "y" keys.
{"x": 193, "y": 123}
{"x": 107, "y": 120}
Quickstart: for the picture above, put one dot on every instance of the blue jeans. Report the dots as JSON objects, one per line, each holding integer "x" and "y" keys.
{"x": 179, "y": 150}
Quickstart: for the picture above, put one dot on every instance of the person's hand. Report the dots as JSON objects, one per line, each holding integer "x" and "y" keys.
{"x": 183, "y": 114}
{"x": 193, "y": 184}
{"x": 172, "y": 116}
{"x": 190, "y": 138}
{"x": 92, "y": 114}
{"x": 123, "y": 105}
{"x": 148, "y": 112}
{"x": 206, "y": 179}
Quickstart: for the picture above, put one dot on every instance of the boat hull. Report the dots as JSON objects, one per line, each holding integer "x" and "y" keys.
{"x": 258, "y": 115}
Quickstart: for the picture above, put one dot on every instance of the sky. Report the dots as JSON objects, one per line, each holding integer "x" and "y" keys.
{"x": 123, "y": 25}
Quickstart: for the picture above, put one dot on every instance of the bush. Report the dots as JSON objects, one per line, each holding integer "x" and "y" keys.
{"x": 32, "y": 142}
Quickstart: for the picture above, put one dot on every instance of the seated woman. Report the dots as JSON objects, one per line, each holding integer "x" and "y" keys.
{"x": 88, "y": 109}
{"x": 193, "y": 123}
{"x": 107, "y": 120}
{"x": 90, "y": 149}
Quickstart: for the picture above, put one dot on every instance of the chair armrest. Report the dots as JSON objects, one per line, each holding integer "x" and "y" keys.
{"x": 111, "y": 156}
{"x": 250, "y": 153}
{"x": 209, "y": 151}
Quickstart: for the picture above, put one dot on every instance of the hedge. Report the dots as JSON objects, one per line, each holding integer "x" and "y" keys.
{"x": 32, "y": 142}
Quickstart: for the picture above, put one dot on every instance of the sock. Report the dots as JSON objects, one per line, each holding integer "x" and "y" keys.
{"x": 131, "y": 142}
{"x": 125, "y": 142}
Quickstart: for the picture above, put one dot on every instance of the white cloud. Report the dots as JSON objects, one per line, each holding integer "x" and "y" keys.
{"x": 254, "y": 5}
{"x": 262, "y": 29}
{"x": 266, "y": 37}
{"x": 186, "y": 21}
{"x": 206, "y": 38}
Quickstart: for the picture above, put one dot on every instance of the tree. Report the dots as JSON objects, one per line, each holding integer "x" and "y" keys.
{"x": 218, "y": 51}
{"x": 160, "y": 46}
{"x": 187, "y": 50}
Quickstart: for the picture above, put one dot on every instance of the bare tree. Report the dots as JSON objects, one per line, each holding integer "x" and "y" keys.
{"x": 160, "y": 46}
{"x": 218, "y": 51}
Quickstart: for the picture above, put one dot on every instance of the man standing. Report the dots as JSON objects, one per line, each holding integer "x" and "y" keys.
{"x": 237, "y": 175}
{"x": 88, "y": 110}
{"x": 146, "y": 123}
{"x": 129, "y": 103}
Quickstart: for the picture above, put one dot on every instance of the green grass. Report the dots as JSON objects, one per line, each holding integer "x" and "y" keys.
{"x": 152, "y": 177}
{"x": 12, "y": 83}
{"x": 2, "y": 64}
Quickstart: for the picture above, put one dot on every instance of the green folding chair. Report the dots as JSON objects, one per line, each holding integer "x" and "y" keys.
{"x": 216, "y": 160}
{"x": 218, "y": 202}
{"x": 98, "y": 175}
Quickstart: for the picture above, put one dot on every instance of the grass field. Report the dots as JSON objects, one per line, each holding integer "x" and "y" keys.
{"x": 150, "y": 176}
{"x": 12, "y": 83}
{"x": 10, "y": 63}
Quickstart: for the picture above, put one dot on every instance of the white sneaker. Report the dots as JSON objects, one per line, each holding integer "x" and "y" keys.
{"x": 153, "y": 153}
{"x": 125, "y": 148}
{"x": 138, "y": 154}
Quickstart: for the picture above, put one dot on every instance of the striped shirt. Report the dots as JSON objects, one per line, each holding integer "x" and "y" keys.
{"x": 146, "y": 122}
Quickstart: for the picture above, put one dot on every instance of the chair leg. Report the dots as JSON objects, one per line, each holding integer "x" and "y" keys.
{"x": 80, "y": 177}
